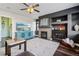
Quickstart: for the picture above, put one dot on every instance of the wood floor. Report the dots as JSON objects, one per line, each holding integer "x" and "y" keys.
{"x": 25, "y": 54}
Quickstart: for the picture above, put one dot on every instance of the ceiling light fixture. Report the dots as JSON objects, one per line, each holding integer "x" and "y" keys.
{"x": 30, "y": 10}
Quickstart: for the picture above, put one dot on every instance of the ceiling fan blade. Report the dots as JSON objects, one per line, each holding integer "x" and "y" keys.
{"x": 23, "y": 9}
{"x": 36, "y": 5}
{"x": 36, "y": 10}
{"x": 26, "y": 4}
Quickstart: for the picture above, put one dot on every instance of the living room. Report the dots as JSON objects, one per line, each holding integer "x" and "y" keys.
{"x": 42, "y": 30}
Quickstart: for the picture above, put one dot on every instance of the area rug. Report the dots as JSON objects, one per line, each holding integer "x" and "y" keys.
{"x": 42, "y": 47}
{"x": 37, "y": 46}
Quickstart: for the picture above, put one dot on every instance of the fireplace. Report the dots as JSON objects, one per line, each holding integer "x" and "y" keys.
{"x": 44, "y": 34}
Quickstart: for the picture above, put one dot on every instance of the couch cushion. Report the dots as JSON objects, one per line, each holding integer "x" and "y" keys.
{"x": 75, "y": 38}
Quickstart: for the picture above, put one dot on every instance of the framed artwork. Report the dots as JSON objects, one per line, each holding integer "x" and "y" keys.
{"x": 44, "y": 22}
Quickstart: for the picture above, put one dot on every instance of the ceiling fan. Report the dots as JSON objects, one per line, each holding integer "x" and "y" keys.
{"x": 31, "y": 8}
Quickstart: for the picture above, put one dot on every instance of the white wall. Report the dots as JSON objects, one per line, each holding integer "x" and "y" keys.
{"x": 33, "y": 27}
{"x": 15, "y": 18}
{"x": 0, "y": 32}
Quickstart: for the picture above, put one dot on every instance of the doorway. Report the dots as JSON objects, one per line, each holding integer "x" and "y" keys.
{"x": 6, "y": 29}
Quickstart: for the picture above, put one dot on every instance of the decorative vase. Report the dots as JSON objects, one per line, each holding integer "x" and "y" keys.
{"x": 76, "y": 27}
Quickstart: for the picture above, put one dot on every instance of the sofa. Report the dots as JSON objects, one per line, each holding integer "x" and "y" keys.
{"x": 24, "y": 34}
{"x": 71, "y": 43}
{"x": 75, "y": 38}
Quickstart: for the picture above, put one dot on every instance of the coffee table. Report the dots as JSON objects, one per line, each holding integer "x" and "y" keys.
{"x": 12, "y": 43}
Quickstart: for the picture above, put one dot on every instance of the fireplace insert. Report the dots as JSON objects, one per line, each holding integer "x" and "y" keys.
{"x": 44, "y": 34}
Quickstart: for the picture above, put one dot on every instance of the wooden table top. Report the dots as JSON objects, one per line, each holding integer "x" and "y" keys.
{"x": 12, "y": 42}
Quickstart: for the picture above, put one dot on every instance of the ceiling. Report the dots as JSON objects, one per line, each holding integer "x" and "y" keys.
{"x": 45, "y": 8}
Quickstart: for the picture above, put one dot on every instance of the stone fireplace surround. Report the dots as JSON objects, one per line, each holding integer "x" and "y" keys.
{"x": 48, "y": 30}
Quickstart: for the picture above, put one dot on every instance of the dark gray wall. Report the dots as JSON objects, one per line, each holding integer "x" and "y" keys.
{"x": 70, "y": 25}
{"x": 69, "y": 13}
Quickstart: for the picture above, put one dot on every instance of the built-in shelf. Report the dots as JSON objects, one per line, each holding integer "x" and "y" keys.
{"x": 62, "y": 22}
{"x": 59, "y": 31}
{"x": 75, "y": 20}
{"x": 59, "y": 18}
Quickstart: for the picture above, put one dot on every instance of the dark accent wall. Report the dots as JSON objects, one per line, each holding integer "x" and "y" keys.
{"x": 62, "y": 12}
{"x": 71, "y": 20}
{"x": 75, "y": 20}
{"x": 71, "y": 33}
